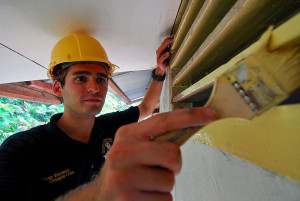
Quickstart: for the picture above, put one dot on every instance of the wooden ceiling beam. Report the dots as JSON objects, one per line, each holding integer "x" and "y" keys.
{"x": 23, "y": 92}
{"x": 37, "y": 84}
{"x": 115, "y": 87}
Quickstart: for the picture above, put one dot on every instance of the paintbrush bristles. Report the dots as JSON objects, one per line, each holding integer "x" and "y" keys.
{"x": 283, "y": 65}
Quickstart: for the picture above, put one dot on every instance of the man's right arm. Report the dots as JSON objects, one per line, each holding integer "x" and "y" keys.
{"x": 138, "y": 168}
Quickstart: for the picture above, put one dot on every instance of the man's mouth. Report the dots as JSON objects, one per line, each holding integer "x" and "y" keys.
{"x": 93, "y": 100}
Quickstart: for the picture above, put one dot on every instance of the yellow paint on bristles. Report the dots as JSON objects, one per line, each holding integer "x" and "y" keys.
{"x": 271, "y": 76}
{"x": 286, "y": 70}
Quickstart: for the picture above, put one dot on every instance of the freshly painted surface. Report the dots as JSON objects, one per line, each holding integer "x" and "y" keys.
{"x": 271, "y": 141}
{"x": 209, "y": 174}
{"x": 291, "y": 37}
{"x": 130, "y": 31}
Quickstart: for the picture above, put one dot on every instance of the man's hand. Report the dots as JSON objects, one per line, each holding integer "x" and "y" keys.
{"x": 138, "y": 168}
{"x": 162, "y": 56}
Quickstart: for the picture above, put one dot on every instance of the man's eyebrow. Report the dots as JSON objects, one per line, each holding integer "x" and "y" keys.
{"x": 82, "y": 73}
{"x": 89, "y": 73}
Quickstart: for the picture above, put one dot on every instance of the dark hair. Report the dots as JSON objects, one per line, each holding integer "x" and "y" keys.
{"x": 60, "y": 74}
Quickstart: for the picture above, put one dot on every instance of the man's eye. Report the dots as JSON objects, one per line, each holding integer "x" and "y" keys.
{"x": 101, "y": 80}
{"x": 80, "y": 79}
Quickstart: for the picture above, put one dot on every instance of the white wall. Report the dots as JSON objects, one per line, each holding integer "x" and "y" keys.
{"x": 209, "y": 174}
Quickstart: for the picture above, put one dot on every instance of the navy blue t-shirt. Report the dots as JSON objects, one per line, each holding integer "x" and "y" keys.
{"x": 44, "y": 163}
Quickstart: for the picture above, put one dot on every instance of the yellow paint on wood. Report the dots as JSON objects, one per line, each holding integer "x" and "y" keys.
{"x": 271, "y": 141}
{"x": 210, "y": 78}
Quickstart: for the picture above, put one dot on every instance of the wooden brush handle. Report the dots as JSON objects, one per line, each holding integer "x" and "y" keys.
{"x": 178, "y": 136}
{"x": 227, "y": 102}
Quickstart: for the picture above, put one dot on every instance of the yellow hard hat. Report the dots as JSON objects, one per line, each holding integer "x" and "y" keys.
{"x": 77, "y": 48}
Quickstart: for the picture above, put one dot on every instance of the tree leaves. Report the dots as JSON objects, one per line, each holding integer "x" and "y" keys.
{"x": 18, "y": 115}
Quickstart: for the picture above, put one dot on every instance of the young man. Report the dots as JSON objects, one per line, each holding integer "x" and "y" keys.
{"x": 68, "y": 153}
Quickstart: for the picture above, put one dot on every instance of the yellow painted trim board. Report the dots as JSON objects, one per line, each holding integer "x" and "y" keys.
{"x": 179, "y": 16}
{"x": 271, "y": 141}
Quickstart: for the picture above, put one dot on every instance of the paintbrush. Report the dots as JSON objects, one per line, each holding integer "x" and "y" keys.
{"x": 250, "y": 88}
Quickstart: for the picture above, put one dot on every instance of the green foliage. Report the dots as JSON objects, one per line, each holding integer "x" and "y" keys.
{"x": 112, "y": 104}
{"x": 18, "y": 115}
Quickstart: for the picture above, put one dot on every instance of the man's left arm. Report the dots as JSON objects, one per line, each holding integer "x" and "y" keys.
{"x": 153, "y": 93}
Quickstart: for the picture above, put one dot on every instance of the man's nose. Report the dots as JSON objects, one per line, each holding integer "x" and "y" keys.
{"x": 93, "y": 86}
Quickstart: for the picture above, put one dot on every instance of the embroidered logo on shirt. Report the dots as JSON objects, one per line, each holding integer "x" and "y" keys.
{"x": 59, "y": 176}
{"x": 107, "y": 143}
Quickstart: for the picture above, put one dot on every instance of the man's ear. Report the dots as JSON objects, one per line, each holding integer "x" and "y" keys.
{"x": 57, "y": 88}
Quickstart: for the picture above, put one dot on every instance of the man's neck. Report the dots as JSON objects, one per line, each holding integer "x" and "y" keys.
{"x": 77, "y": 128}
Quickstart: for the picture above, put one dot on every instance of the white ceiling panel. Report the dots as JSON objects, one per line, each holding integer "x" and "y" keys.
{"x": 129, "y": 30}
{"x": 15, "y": 67}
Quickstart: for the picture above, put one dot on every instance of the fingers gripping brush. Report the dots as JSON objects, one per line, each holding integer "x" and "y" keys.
{"x": 250, "y": 88}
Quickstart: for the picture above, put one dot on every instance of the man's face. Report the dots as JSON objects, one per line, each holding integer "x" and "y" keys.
{"x": 85, "y": 90}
